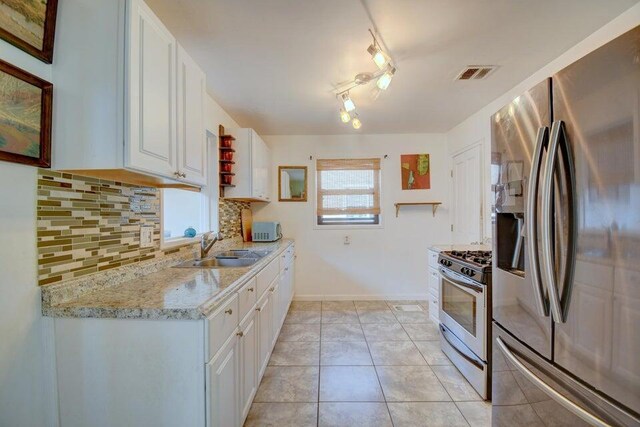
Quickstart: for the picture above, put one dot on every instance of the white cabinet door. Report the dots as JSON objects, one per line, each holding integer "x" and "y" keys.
{"x": 248, "y": 364}
{"x": 265, "y": 331}
{"x": 277, "y": 306}
{"x": 151, "y": 96}
{"x": 223, "y": 388}
{"x": 192, "y": 147}
{"x": 252, "y": 168}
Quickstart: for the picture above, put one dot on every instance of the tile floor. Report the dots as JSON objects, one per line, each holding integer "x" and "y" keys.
{"x": 363, "y": 363}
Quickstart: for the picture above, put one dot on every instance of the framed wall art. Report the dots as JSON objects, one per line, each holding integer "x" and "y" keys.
{"x": 30, "y": 25}
{"x": 416, "y": 171}
{"x": 25, "y": 117}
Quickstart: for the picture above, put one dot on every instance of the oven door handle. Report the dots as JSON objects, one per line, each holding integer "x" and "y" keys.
{"x": 461, "y": 281}
{"x": 467, "y": 357}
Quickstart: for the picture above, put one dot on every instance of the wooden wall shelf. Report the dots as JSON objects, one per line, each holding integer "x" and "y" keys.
{"x": 226, "y": 148}
{"x": 434, "y": 206}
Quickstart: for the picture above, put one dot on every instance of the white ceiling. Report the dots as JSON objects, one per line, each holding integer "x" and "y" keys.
{"x": 272, "y": 64}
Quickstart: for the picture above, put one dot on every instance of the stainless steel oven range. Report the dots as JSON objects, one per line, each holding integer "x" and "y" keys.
{"x": 465, "y": 314}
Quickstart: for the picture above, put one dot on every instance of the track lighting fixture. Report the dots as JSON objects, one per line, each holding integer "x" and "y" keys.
{"x": 348, "y": 103}
{"x": 384, "y": 80}
{"x": 378, "y": 56}
{"x": 356, "y": 123}
{"x": 344, "y": 116}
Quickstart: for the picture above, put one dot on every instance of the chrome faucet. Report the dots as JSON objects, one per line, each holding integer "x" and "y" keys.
{"x": 206, "y": 244}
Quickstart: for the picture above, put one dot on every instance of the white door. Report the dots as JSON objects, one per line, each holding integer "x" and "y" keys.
{"x": 224, "y": 387}
{"x": 467, "y": 196}
{"x": 192, "y": 147}
{"x": 151, "y": 114}
{"x": 264, "y": 323}
{"x": 249, "y": 364}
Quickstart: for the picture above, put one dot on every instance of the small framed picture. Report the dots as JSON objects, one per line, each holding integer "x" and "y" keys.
{"x": 30, "y": 25}
{"x": 25, "y": 117}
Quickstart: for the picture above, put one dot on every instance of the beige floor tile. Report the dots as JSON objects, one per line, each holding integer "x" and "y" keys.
{"x": 338, "y": 305}
{"x": 350, "y": 414}
{"x": 369, "y": 305}
{"x": 300, "y": 332}
{"x": 295, "y": 353}
{"x": 282, "y": 415}
{"x": 349, "y": 384}
{"x": 411, "y": 384}
{"x": 345, "y": 353}
{"x": 340, "y": 316}
{"x": 427, "y": 414}
{"x": 391, "y": 303}
{"x": 422, "y": 331}
{"x": 306, "y": 306}
{"x": 478, "y": 414}
{"x": 342, "y": 332}
{"x": 432, "y": 352}
{"x": 306, "y": 317}
{"x": 456, "y": 385}
{"x": 376, "y": 315}
{"x": 411, "y": 317}
{"x": 395, "y": 353}
{"x": 289, "y": 384}
{"x": 384, "y": 332}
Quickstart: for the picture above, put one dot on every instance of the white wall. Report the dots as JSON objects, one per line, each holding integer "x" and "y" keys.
{"x": 478, "y": 126}
{"x": 387, "y": 262}
{"x": 26, "y": 391}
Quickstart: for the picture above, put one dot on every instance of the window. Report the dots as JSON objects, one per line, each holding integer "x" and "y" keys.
{"x": 183, "y": 209}
{"x": 348, "y": 191}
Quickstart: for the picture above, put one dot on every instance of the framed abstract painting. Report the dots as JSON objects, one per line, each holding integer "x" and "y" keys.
{"x": 25, "y": 117}
{"x": 416, "y": 171}
{"x": 29, "y": 25}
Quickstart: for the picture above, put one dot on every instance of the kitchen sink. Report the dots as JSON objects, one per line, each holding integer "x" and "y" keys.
{"x": 219, "y": 262}
{"x": 242, "y": 253}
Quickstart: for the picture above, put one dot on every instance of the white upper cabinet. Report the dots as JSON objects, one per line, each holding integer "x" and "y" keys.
{"x": 192, "y": 145}
{"x": 151, "y": 114}
{"x": 252, "y": 167}
{"x": 128, "y": 98}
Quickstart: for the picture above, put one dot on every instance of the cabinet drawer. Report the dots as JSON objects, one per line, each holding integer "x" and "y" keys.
{"x": 221, "y": 325}
{"x": 433, "y": 259}
{"x": 434, "y": 281}
{"x": 286, "y": 257}
{"x": 247, "y": 297}
{"x": 266, "y": 276}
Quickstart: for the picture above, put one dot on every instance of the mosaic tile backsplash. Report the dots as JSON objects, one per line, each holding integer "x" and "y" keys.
{"x": 88, "y": 225}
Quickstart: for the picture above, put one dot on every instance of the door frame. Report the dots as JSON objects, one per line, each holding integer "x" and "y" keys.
{"x": 480, "y": 145}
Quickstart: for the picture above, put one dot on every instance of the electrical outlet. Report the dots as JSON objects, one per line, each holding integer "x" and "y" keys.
{"x": 146, "y": 236}
{"x": 347, "y": 240}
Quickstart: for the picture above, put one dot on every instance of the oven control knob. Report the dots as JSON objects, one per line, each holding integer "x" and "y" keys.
{"x": 471, "y": 273}
{"x": 463, "y": 270}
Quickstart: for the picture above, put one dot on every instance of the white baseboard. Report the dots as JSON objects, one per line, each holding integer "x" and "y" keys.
{"x": 340, "y": 297}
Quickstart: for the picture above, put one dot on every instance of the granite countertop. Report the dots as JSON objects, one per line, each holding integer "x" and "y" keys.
{"x": 171, "y": 293}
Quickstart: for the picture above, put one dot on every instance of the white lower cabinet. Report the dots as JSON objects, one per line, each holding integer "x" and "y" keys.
{"x": 223, "y": 387}
{"x": 265, "y": 324}
{"x": 248, "y": 362}
{"x": 173, "y": 372}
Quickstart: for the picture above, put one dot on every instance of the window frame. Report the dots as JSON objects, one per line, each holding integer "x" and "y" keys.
{"x": 379, "y": 224}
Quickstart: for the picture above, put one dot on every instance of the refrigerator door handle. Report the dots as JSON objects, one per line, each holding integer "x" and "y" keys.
{"x": 558, "y": 144}
{"x": 547, "y": 225}
{"x": 531, "y": 220}
{"x": 550, "y": 391}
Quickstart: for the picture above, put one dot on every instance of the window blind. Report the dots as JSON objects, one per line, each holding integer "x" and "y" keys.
{"x": 348, "y": 186}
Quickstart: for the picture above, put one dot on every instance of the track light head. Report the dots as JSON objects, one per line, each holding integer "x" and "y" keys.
{"x": 348, "y": 103}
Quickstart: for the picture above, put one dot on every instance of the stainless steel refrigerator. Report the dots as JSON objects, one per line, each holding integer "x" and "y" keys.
{"x": 566, "y": 265}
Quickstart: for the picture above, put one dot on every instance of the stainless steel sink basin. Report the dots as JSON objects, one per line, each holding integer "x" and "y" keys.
{"x": 218, "y": 263}
{"x": 242, "y": 253}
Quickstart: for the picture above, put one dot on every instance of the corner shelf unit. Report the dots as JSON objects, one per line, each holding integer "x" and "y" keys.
{"x": 434, "y": 206}
{"x": 225, "y": 142}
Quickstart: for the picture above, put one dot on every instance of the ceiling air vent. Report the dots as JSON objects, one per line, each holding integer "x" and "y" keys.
{"x": 475, "y": 72}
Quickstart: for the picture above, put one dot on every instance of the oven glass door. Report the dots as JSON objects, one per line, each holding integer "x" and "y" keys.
{"x": 462, "y": 310}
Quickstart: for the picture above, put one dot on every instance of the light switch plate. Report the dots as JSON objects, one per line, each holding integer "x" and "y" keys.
{"x": 347, "y": 240}
{"x": 146, "y": 236}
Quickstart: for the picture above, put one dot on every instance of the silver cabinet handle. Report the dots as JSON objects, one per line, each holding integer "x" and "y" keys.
{"x": 240, "y": 334}
{"x": 550, "y": 391}
{"x": 228, "y": 311}
{"x": 258, "y": 309}
{"x": 272, "y": 289}
{"x": 250, "y": 289}
{"x": 183, "y": 175}
{"x": 531, "y": 220}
